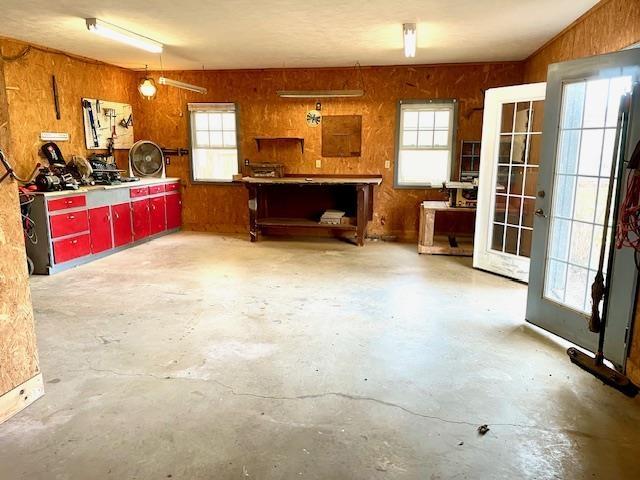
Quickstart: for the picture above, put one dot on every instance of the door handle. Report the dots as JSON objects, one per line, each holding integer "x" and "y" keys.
{"x": 540, "y": 213}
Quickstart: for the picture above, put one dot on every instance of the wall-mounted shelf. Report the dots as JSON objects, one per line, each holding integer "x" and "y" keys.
{"x": 259, "y": 140}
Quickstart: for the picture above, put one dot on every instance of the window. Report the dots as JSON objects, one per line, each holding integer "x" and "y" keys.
{"x": 425, "y": 142}
{"x": 214, "y": 142}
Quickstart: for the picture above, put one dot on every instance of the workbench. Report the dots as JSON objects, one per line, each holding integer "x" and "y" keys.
{"x": 452, "y": 243}
{"x": 293, "y": 204}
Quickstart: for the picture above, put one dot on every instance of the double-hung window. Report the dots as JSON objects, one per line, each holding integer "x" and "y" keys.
{"x": 214, "y": 142}
{"x": 426, "y": 133}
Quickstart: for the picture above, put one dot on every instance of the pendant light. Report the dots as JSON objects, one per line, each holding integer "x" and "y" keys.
{"x": 147, "y": 87}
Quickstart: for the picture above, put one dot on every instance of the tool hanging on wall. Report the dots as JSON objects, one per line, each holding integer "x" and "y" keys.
{"x": 10, "y": 172}
{"x": 599, "y": 289}
{"x": 92, "y": 122}
{"x": 56, "y": 100}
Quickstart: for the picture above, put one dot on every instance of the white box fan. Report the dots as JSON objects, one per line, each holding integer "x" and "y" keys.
{"x": 146, "y": 159}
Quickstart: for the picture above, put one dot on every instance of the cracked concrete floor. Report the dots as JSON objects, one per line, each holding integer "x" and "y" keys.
{"x": 198, "y": 356}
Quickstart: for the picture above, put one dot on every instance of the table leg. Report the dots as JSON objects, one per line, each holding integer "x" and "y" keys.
{"x": 362, "y": 214}
{"x": 253, "y": 213}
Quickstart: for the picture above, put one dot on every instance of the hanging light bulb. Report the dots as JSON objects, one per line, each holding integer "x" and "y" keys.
{"x": 147, "y": 87}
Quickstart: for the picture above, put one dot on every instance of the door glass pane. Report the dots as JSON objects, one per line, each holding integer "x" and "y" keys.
{"x": 581, "y": 178}
{"x": 517, "y": 177}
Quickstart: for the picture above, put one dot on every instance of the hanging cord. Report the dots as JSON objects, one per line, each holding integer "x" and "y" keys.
{"x": 628, "y": 231}
{"x": 17, "y": 56}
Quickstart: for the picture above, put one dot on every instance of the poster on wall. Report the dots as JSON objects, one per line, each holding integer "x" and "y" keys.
{"x": 106, "y": 122}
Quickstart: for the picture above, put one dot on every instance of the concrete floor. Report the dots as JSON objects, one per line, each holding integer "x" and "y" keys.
{"x": 207, "y": 357}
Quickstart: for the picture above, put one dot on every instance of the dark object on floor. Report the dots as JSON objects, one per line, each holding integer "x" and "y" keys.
{"x": 483, "y": 429}
{"x": 596, "y": 367}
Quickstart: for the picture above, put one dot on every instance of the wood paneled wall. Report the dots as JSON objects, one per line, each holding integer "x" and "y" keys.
{"x": 608, "y": 27}
{"x": 18, "y": 350}
{"x": 263, "y": 113}
{"x": 30, "y": 98}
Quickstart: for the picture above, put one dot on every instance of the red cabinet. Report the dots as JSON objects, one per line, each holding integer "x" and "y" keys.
{"x": 157, "y": 215}
{"x": 66, "y": 202}
{"x": 65, "y": 224}
{"x": 121, "y": 222}
{"x": 100, "y": 229}
{"x": 70, "y": 248}
{"x": 174, "y": 211}
{"x": 139, "y": 192}
{"x": 172, "y": 187}
{"x": 140, "y": 211}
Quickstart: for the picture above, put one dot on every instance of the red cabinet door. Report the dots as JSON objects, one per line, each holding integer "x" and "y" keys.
{"x": 141, "y": 224}
{"x": 70, "y": 248}
{"x": 100, "y": 229}
{"x": 65, "y": 224}
{"x": 174, "y": 211}
{"x": 121, "y": 221}
{"x": 157, "y": 215}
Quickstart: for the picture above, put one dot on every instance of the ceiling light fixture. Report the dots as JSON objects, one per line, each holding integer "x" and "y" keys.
{"x": 147, "y": 87}
{"x": 182, "y": 85}
{"x": 118, "y": 34}
{"x": 410, "y": 39}
{"x": 320, "y": 93}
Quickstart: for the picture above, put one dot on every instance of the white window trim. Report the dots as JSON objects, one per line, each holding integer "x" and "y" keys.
{"x": 434, "y": 104}
{"x": 211, "y": 107}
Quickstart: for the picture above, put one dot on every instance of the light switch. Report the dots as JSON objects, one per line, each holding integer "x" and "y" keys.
{"x": 318, "y": 163}
{"x": 387, "y": 164}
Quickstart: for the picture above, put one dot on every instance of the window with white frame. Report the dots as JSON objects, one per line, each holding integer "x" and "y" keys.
{"x": 425, "y": 143}
{"x": 214, "y": 142}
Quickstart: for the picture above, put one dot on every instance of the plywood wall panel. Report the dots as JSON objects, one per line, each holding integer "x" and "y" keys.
{"x": 18, "y": 350}
{"x": 608, "y": 27}
{"x": 262, "y": 113}
{"x": 31, "y": 106}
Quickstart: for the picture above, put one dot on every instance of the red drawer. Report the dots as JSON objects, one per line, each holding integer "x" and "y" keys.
{"x": 139, "y": 192}
{"x": 153, "y": 189}
{"x": 172, "y": 187}
{"x": 70, "y": 248}
{"x": 67, "y": 202}
{"x": 68, "y": 223}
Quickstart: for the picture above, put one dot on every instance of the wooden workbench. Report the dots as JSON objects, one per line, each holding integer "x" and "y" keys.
{"x": 450, "y": 244}
{"x": 296, "y": 203}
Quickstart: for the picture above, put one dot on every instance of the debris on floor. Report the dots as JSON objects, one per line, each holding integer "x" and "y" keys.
{"x": 483, "y": 429}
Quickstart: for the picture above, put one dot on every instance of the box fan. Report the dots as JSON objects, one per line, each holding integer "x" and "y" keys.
{"x": 146, "y": 159}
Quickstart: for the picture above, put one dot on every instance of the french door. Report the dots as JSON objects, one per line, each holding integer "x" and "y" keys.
{"x": 511, "y": 139}
{"x": 581, "y": 128}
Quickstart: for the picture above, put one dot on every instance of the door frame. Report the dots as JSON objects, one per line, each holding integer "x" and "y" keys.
{"x": 484, "y": 258}
{"x": 621, "y": 306}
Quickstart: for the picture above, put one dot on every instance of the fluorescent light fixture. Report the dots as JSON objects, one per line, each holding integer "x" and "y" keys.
{"x": 182, "y": 85}
{"x": 320, "y": 93}
{"x": 121, "y": 35}
{"x": 410, "y": 40}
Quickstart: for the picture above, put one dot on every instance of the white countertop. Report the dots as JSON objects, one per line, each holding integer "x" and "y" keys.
{"x": 143, "y": 182}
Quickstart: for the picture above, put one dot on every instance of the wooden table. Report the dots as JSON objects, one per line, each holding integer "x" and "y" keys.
{"x": 450, "y": 244}
{"x": 296, "y": 203}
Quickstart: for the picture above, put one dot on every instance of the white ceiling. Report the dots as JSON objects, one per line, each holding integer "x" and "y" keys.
{"x": 294, "y": 33}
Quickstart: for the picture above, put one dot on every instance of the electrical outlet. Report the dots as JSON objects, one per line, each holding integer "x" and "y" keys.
{"x": 387, "y": 164}
{"x": 318, "y": 163}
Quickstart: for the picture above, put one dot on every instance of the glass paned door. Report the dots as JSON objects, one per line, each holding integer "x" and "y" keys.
{"x": 510, "y": 159}
{"x": 579, "y": 135}
{"x": 586, "y": 139}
